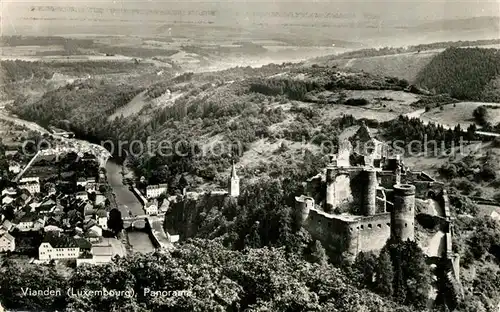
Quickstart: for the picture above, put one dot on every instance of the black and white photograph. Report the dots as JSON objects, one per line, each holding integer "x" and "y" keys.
{"x": 250, "y": 156}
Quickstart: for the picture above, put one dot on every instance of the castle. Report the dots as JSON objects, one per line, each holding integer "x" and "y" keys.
{"x": 364, "y": 197}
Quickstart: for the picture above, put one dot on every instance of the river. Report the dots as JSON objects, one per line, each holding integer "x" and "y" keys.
{"x": 126, "y": 200}
{"x": 128, "y": 204}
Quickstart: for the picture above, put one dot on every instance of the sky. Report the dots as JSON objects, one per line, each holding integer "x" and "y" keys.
{"x": 20, "y": 17}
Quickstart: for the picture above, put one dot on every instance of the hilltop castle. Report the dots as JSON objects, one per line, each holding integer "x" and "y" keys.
{"x": 364, "y": 197}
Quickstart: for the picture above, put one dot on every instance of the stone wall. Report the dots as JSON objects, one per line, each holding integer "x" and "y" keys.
{"x": 372, "y": 233}
{"x": 333, "y": 232}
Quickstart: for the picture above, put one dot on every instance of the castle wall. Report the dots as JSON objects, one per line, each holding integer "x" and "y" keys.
{"x": 372, "y": 233}
{"x": 381, "y": 205}
{"x": 334, "y": 233}
{"x": 386, "y": 179}
{"x": 342, "y": 190}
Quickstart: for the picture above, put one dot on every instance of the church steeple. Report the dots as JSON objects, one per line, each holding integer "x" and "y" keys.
{"x": 234, "y": 183}
{"x": 233, "y": 171}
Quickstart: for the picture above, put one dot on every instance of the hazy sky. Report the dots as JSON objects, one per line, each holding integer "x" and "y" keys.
{"x": 18, "y": 16}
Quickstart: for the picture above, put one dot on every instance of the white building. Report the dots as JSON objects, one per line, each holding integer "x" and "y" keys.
{"x": 32, "y": 184}
{"x": 15, "y": 168}
{"x": 154, "y": 191}
{"x": 7, "y": 242}
{"x": 234, "y": 183}
{"x": 151, "y": 207}
{"x": 83, "y": 182}
{"x": 102, "y": 219}
{"x": 9, "y": 191}
{"x": 56, "y": 245}
{"x": 82, "y": 196}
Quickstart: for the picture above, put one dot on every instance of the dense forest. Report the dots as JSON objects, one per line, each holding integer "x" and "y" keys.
{"x": 212, "y": 277}
{"x": 464, "y": 73}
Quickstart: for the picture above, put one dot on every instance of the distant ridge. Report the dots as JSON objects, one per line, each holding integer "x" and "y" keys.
{"x": 465, "y": 24}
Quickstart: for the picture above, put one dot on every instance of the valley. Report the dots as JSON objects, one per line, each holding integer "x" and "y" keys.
{"x": 232, "y": 133}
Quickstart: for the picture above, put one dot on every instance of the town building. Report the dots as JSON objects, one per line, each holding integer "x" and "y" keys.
{"x": 82, "y": 196}
{"x": 151, "y": 207}
{"x": 32, "y": 184}
{"x": 57, "y": 246}
{"x": 154, "y": 191}
{"x": 7, "y": 242}
{"x": 83, "y": 182}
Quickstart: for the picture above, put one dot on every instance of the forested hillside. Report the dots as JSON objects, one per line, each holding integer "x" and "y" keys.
{"x": 464, "y": 73}
{"x": 212, "y": 277}
{"x": 208, "y": 107}
{"x": 258, "y": 259}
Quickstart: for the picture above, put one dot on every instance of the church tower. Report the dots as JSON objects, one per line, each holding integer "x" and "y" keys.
{"x": 234, "y": 183}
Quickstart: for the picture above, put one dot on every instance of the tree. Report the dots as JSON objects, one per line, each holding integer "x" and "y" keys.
{"x": 115, "y": 221}
{"x": 384, "y": 274}
{"x": 480, "y": 115}
{"x": 365, "y": 264}
{"x": 252, "y": 239}
{"x": 318, "y": 254}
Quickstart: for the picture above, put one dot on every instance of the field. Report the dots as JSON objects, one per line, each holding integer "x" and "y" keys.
{"x": 460, "y": 114}
{"x": 405, "y": 66}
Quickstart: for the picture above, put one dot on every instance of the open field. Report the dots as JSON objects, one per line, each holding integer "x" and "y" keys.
{"x": 405, "y": 65}
{"x": 461, "y": 114}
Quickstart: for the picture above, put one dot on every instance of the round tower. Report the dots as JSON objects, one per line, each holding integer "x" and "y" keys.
{"x": 330, "y": 189}
{"x": 403, "y": 213}
{"x": 369, "y": 192}
{"x": 303, "y": 205}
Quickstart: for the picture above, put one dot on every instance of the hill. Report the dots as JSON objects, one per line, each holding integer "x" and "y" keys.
{"x": 402, "y": 62}
{"x": 277, "y": 123}
{"x": 463, "y": 73}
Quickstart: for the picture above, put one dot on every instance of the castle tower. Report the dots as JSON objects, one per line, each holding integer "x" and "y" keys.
{"x": 369, "y": 207}
{"x": 403, "y": 213}
{"x": 234, "y": 183}
{"x": 330, "y": 189}
{"x": 303, "y": 205}
{"x": 398, "y": 174}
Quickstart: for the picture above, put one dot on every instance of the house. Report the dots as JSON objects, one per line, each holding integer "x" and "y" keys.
{"x": 151, "y": 207}
{"x": 164, "y": 206}
{"x": 100, "y": 199}
{"x": 39, "y": 224}
{"x": 47, "y": 206}
{"x": 102, "y": 218}
{"x": 52, "y": 228}
{"x": 15, "y": 168}
{"x": 26, "y": 221}
{"x": 83, "y": 182}
{"x": 7, "y": 225}
{"x": 82, "y": 196}
{"x": 9, "y": 191}
{"x": 154, "y": 191}
{"x": 91, "y": 187}
{"x": 7, "y": 242}
{"x": 56, "y": 245}
{"x": 85, "y": 257}
{"x": 102, "y": 254}
{"x": 7, "y": 200}
{"x": 24, "y": 198}
{"x": 32, "y": 184}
